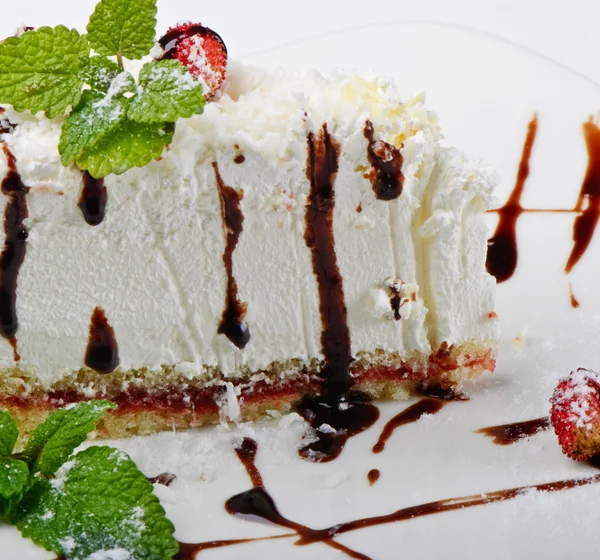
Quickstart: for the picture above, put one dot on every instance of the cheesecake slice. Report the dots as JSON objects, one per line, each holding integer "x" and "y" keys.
{"x": 306, "y": 230}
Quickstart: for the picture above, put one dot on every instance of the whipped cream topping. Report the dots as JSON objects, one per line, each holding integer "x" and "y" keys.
{"x": 154, "y": 265}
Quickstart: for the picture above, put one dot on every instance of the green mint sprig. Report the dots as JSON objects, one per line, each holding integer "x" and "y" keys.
{"x": 113, "y": 123}
{"x": 76, "y": 504}
{"x": 123, "y": 28}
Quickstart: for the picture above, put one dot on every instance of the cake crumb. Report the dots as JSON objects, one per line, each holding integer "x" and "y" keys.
{"x": 288, "y": 419}
{"x": 519, "y": 342}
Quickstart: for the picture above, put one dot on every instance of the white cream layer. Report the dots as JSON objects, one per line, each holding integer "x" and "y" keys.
{"x": 155, "y": 263}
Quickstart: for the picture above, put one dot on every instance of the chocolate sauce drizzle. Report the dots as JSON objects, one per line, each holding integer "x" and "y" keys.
{"x": 189, "y": 551}
{"x": 395, "y": 302}
{"x": 239, "y": 157}
{"x": 165, "y": 479}
{"x": 502, "y": 247}
{"x": 334, "y": 418}
{"x": 232, "y": 322}
{"x": 257, "y": 502}
{"x": 574, "y": 302}
{"x": 439, "y": 392}
{"x": 507, "y": 434}
{"x": 588, "y": 202}
{"x": 6, "y": 127}
{"x": 246, "y": 453}
{"x": 102, "y": 353}
{"x": 93, "y": 199}
{"x": 407, "y": 416}
{"x": 338, "y": 413}
{"x": 373, "y": 476}
{"x": 386, "y": 166}
{"x": 322, "y": 168}
{"x": 15, "y": 246}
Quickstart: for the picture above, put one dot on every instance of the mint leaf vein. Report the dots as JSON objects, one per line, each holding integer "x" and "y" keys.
{"x": 99, "y": 501}
{"x": 40, "y": 71}
{"x": 8, "y": 433}
{"x": 167, "y": 91}
{"x": 55, "y": 439}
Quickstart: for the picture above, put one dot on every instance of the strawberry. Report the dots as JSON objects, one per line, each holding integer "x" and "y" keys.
{"x": 201, "y": 50}
{"x": 575, "y": 414}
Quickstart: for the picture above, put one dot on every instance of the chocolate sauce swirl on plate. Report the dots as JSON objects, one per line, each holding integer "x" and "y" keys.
{"x": 407, "y": 416}
{"x": 507, "y": 434}
{"x": 588, "y": 202}
{"x": 373, "y": 476}
{"x": 258, "y": 503}
{"x": 502, "y": 247}
{"x": 574, "y": 301}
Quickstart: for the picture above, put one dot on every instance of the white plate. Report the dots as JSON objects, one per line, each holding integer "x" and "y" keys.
{"x": 485, "y": 92}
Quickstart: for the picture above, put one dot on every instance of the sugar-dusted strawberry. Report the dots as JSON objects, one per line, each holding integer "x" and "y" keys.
{"x": 575, "y": 414}
{"x": 201, "y": 50}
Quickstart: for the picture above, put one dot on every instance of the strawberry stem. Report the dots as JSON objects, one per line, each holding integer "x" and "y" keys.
{"x": 120, "y": 61}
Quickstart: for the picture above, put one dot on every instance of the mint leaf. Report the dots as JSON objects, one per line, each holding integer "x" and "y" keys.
{"x": 40, "y": 70}
{"x": 99, "y": 73}
{"x": 167, "y": 91}
{"x": 14, "y": 479}
{"x": 8, "y": 433}
{"x": 99, "y": 501}
{"x": 53, "y": 441}
{"x": 123, "y": 28}
{"x": 96, "y": 116}
{"x": 130, "y": 145}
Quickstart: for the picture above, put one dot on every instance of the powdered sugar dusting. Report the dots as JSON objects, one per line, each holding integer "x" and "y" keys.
{"x": 58, "y": 482}
{"x": 68, "y": 544}
{"x": 182, "y": 81}
{"x": 135, "y": 522}
{"x": 117, "y": 87}
{"x": 201, "y": 66}
{"x": 114, "y": 554}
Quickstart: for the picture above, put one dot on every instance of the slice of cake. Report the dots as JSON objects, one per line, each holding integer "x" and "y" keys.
{"x": 307, "y": 233}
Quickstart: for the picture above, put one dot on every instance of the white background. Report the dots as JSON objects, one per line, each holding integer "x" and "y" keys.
{"x": 485, "y": 92}
{"x": 568, "y": 32}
